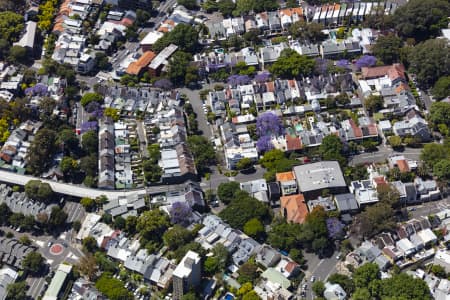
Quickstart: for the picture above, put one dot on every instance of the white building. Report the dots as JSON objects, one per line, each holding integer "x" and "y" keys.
{"x": 186, "y": 275}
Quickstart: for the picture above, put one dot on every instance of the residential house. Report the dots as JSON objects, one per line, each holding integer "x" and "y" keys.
{"x": 364, "y": 191}
{"x": 287, "y": 183}
{"x": 442, "y": 258}
{"x": 335, "y": 49}
{"x": 427, "y": 189}
{"x": 267, "y": 256}
{"x": 86, "y": 64}
{"x": 161, "y": 60}
{"x": 415, "y": 126}
{"x": 83, "y": 289}
{"x": 28, "y": 37}
{"x": 246, "y": 248}
{"x": 287, "y": 267}
{"x": 346, "y": 203}
{"x": 138, "y": 67}
{"x": 293, "y": 208}
{"x": 106, "y": 154}
{"x": 256, "y": 188}
{"x": 325, "y": 202}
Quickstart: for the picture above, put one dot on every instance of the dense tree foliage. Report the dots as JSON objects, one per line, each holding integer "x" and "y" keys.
{"x": 387, "y": 48}
{"x": 242, "y": 209}
{"x": 152, "y": 224}
{"x": 184, "y": 36}
{"x": 245, "y": 6}
{"x": 332, "y": 148}
{"x": 430, "y": 60}
{"x": 40, "y": 153}
{"x": 218, "y": 261}
{"x": 40, "y": 191}
{"x": 112, "y": 288}
{"x": 433, "y": 153}
{"x": 11, "y": 26}
{"x": 307, "y": 32}
{"x": 33, "y": 262}
{"x": 227, "y": 191}
{"x": 290, "y": 65}
{"x": 16, "y": 291}
{"x": 422, "y": 19}
{"x": 203, "y": 152}
{"x": 91, "y": 97}
{"x": 254, "y": 228}
{"x": 176, "y": 237}
{"x": 440, "y": 113}
{"x": 441, "y": 88}
{"x": 179, "y": 72}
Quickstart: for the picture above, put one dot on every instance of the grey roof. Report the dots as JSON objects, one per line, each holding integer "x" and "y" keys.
{"x": 320, "y": 175}
{"x": 346, "y": 202}
{"x": 267, "y": 256}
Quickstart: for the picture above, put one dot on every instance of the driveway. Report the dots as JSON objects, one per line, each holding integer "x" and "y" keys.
{"x": 194, "y": 99}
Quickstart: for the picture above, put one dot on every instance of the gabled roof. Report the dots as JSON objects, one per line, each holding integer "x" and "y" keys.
{"x": 294, "y": 208}
{"x": 285, "y": 176}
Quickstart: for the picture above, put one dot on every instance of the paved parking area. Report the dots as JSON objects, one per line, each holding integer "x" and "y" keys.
{"x": 75, "y": 211}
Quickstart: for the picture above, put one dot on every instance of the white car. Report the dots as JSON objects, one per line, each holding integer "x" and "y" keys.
{"x": 313, "y": 278}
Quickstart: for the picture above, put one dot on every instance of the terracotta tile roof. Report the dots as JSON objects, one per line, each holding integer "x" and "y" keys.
{"x": 286, "y": 12}
{"x": 297, "y": 10}
{"x": 396, "y": 71}
{"x": 403, "y": 166}
{"x": 372, "y": 129}
{"x": 374, "y": 72}
{"x": 294, "y": 208}
{"x": 291, "y": 83}
{"x": 270, "y": 86}
{"x": 285, "y": 176}
{"x": 401, "y": 87}
{"x": 293, "y": 143}
{"x": 356, "y": 130}
{"x": 136, "y": 67}
{"x": 291, "y": 266}
{"x": 379, "y": 180}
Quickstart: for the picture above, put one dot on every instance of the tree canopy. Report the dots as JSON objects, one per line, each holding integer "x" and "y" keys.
{"x": 242, "y": 209}
{"x": 91, "y": 97}
{"x": 40, "y": 153}
{"x": 11, "y": 26}
{"x": 430, "y": 60}
{"x": 176, "y": 237}
{"x": 112, "y": 288}
{"x": 40, "y": 191}
{"x": 152, "y": 224}
{"x": 308, "y": 32}
{"x": 387, "y": 48}
{"x": 441, "y": 88}
{"x": 33, "y": 262}
{"x": 422, "y": 19}
{"x": 290, "y": 65}
{"x": 227, "y": 191}
{"x": 331, "y": 149}
{"x": 184, "y": 36}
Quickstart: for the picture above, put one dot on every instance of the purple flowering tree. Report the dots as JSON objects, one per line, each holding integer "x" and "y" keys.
{"x": 262, "y": 77}
{"x": 87, "y": 126}
{"x": 264, "y": 144}
{"x": 37, "y": 90}
{"x": 180, "y": 212}
{"x": 269, "y": 124}
{"x": 235, "y": 80}
{"x": 366, "y": 61}
{"x": 321, "y": 66}
{"x": 334, "y": 227}
{"x": 343, "y": 63}
{"x": 92, "y": 106}
{"x": 164, "y": 84}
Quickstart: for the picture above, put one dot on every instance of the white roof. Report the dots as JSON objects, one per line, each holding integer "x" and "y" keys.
{"x": 88, "y": 223}
{"x": 182, "y": 271}
{"x": 151, "y": 38}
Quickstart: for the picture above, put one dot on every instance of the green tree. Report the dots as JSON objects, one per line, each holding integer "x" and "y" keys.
{"x": 290, "y": 65}
{"x": 41, "y": 150}
{"x": 441, "y": 88}
{"x": 152, "y": 224}
{"x": 318, "y": 288}
{"x": 421, "y": 19}
{"x": 254, "y": 228}
{"x": 361, "y": 294}
{"x": 366, "y": 274}
{"x": 178, "y": 65}
{"x": 441, "y": 169}
{"x": 387, "y": 48}
{"x": 130, "y": 224}
{"x": 87, "y": 203}
{"x": 189, "y": 4}
{"x": 226, "y": 7}
{"x": 308, "y": 32}
{"x": 119, "y": 222}
{"x": 89, "y": 165}
{"x": 395, "y": 141}
{"x": 404, "y": 286}
{"x": 16, "y": 291}
{"x": 331, "y": 149}
{"x": 430, "y": 61}
{"x": 40, "y": 191}
{"x": 374, "y": 103}
{"x": 91, "y": 97}
{"x": 227, "y": 191}
{"x": 242, "y": 209}
{"x": 89, "y": 142}
{"x": 25, "y": 240}
{"x": 11, "y": 26}
{"x": 244, "y": 164}
{"x": 89, "y": 244}
{"x": 247, "y": 272}
{"x": 440, "y": 113}
{"x": 68, "y": 166}
{"x": 17, "y": 54}
{"x": 33, "y": 262}
{"x": 87, "y": 265}
{"x": 202, "y": 150}
{"x": 176, "y": 237}
{"x": 344, "y": 281}
{"x": 184, "y": 36}
{"x": 375, "y": 219}
{"x": 57, "y": 218}
{"x": 112, "y": 288}
{"x": 432, "y": 153}
{"x": 439, "y": 271}
{"x": 113, "y": 113}
{"x": 5, "y": 212}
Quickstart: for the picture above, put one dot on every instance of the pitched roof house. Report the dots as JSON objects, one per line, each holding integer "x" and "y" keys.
{"x": 294, "y": 208}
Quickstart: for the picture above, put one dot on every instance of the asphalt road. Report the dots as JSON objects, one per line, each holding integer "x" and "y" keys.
{"x": 321, "y": 269}
{"x": 382, "y": 154}
{"x": 194, "y": 99}
{"x": 75, "y": 211}
{"x": 429, "y": 208}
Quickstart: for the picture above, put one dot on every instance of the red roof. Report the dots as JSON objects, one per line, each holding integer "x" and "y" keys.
{"x": 294, "y": 208}
{"x": 293, "y": 143}
{"x": 403, "y": 166}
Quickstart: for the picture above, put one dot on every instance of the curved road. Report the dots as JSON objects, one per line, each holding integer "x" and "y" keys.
{"x": 80, "y": 191}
